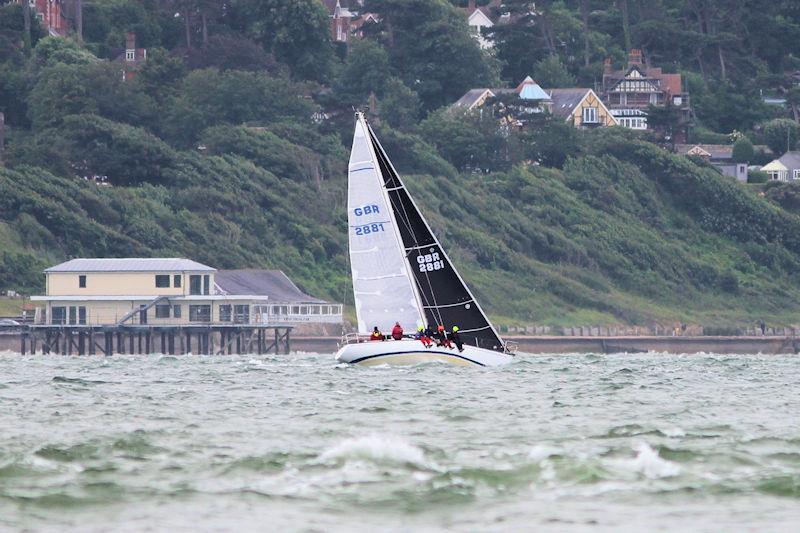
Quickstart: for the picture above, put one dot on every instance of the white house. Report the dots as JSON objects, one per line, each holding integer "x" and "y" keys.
{"x": 785, "y": 168}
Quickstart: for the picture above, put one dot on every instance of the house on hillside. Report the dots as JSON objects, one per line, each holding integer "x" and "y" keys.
{"x": 579, "y": 106}
{"x": 481, "y": 18}
{"x": 52, "y": 15}
{"x": 172, "y": 291}
{"x": 785, "y": 168}
{"x": 718, "y": 155}
{"x": 582, "y": 107}
{"x": 132, "y": 59}
{"x": 346, "y": 23}
{"x": 628, "y": 93}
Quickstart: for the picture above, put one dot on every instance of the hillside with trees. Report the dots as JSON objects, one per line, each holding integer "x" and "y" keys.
{"x": 230, "y": 145}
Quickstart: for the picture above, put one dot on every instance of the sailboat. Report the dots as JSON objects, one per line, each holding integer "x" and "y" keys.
{"x": 402, "y": 274}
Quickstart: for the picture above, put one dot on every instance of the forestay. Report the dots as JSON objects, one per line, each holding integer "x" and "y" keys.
{"x": 382, "y": 285}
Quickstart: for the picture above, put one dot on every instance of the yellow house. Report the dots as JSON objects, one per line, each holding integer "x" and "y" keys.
{"x": 581, "y": 107}
{"x": 161, "y": 291}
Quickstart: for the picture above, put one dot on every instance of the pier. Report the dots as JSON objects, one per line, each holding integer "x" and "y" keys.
{"x": 205, "y": 339}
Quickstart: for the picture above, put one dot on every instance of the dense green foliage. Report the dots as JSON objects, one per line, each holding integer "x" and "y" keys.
{"x": 230, "y": 147}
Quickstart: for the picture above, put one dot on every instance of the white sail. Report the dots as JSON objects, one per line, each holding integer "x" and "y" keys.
{"x": 382, "y": 286}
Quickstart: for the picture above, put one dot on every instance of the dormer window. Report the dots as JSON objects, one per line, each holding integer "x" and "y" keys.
{"x": 130, "y": 55}
{"x": 590, "y": 115}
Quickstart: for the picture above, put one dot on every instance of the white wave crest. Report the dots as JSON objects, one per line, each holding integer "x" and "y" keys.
{"x": 379, "y": 449}
{"x": 541, "y": 452}
{"x": 649, "y": 464}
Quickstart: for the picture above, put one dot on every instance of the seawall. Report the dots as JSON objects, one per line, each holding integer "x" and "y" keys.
{"x": 621, "y": 344}
{"x": 11, "y": 341}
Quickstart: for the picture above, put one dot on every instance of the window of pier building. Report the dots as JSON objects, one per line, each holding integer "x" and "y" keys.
{"x": 199, "y": 284}
{"x": 162, "y": 311}
{"x": 162, "y": 281}
{"x": 241, "y": 314}
{"x": 176, "y": 311}
{"x": 58, "y": 315}
{"x": 200, "y": 313}
{"x": 176, "y": 280}
{"x": 225, "y": 313}
{"x": 82, "y": 281}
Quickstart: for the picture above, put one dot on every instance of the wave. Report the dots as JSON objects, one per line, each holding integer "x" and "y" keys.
{"x": 379, "y": 449}
{"x": 649, "y": 464}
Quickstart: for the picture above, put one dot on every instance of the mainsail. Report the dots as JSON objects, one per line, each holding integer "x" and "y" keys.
{"x": 382, "y": 285}
{"x": 445, "y": 298}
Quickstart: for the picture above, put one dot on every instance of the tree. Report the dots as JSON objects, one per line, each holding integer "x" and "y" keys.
{"x": 431, "y": 49}
{"x": 95, "y": 88}
{"x": 781, "y": 135}
{"x": 365, "y": 71}
{"x": 399, "y": 106}
{"x": 512, "y": 41}
{"x": 550, "y": 72}
{"x": 547, "y": 140}
{"x": 295, "y": 32}
{"x": 743, "y": 151}
{"x": 467, "y": 139}
{"x": 209, "y": 97}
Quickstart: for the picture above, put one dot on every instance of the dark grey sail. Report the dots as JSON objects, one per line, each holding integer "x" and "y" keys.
{"x": 446, "y": 299}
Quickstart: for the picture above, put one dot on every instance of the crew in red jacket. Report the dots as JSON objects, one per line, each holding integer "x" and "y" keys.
{"x": 397, "y": 331}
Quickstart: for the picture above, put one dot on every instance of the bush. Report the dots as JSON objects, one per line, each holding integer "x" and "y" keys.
{"x": 756, "y": 176}
{"x": 781, "y": 135}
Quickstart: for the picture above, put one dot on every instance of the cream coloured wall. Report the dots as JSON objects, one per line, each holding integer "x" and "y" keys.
{"x": 604, "y": 116}
{"x": 116, "y": 284}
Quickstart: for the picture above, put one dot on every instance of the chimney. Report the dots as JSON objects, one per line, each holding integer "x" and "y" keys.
{"x": 130, "y": 41}
{"x": 635, "y": 57}
{"x": 471, "y": 6}
{"x": 607, "y": 65}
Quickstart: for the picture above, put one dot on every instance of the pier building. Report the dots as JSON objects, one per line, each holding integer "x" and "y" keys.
{"x": 168, "y": 305}
{"x": 161, "y": 291}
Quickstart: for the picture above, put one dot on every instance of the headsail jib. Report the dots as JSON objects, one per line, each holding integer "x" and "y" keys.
{"x": 383, "y": 289}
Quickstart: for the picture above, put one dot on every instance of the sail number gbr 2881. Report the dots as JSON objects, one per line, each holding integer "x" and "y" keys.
{"x": 366, "y": 229}
{"x": 429, "y": 262}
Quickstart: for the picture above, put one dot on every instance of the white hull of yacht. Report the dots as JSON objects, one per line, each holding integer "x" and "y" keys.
{"x": 410, "y": 352}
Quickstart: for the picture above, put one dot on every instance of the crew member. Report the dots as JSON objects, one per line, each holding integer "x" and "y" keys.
{"x": 454, "y": 336}
{"x": 397, "y": 331}
{"x": 376, "y": 335}
{"x": 423, "y": 334}
{"x": 441, "y": 335}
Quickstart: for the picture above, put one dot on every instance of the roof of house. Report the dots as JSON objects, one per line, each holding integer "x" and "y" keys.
{"x": 530, "y": 90}
{"x": 789, "y": 160}
{"x": 273, "y": 284}
{"x": 566, "y": 100}
{"x": 131, "y": 264}
{"x": 670, "y": 83}
{"x": 473, "y": 97}
{"x": 714, "y": 151}
{"x": 490, "y": 10}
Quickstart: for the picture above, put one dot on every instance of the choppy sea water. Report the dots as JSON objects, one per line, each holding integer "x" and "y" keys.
{"x": 551, "y": 443}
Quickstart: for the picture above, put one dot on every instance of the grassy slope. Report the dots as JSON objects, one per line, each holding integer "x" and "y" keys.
{"x": 624, "y": 234}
